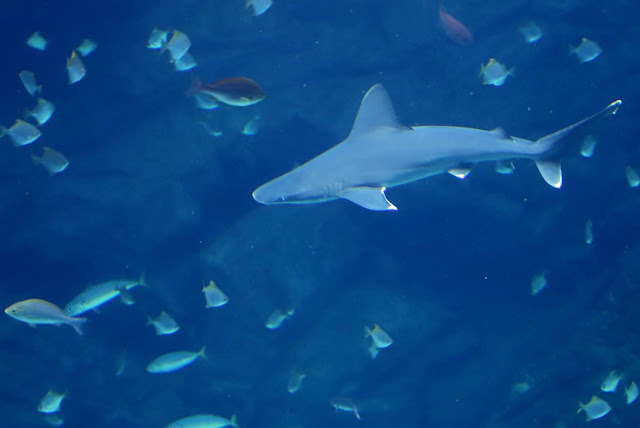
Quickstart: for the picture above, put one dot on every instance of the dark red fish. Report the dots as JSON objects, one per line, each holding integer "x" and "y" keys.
{"x": 454, "y": 29}
{"x": 235, "y": 91}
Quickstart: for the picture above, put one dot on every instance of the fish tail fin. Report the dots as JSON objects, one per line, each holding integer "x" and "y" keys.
{"x": 552, "y": 147}
{"x": 367, "y": 331}
{"x": 195, "y": 85}
{"x": 149, "y": 320}
{"x": 78, "y": 324}
{"x": 512, "y": 72}
{"x": 36, "y": 159}
{"x": 142, "y": 280}
{"x": 234, "y": 421}
{"x": 203, "y": 351}
{"x": 3, "y": 131}
{"x": 580, "y": 407}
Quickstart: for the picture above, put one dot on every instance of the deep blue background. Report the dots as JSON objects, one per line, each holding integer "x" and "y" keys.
{"x": 447, "y": 275}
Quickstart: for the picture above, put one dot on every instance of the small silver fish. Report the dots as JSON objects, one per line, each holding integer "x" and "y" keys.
{"x": 157, "y": 39}
{"x": 586, "y": 51}
{"x": 631, "y": 392}
{"x": 121, "y": 364}
{"x": 209, "y": 130}
{"x": 21, "y": 133}
{"x": 54, "y": 162}
{"x": 531, "y": 32}
{"x": 87, "y": 47}
{"x": 259, "y": 6}
{"x": 204, "y": 421}
{"x": 42, "y": 112}
{"x": 520, "y": 388}
{"x": 538, "y": 283}
{"x": 595, "y": 409}
{"x": 177, "y": 46}
{"x": 588, "y": 232}
{"x": 38, "y": 311}
{"x": 588, "y": 146}
{"x": 28, "y": 79}
{"x": 234, "y": 91}
{"x": 214, "y": 296}
{"x": 277, "y": 317}
{"x": 97, "y": 295}
{"x": 36, "y": 41}
{"x": 505, "y": 168}
{"x": 379, "y": 337}
{"x": 51, "y": 402}
{"x": 610, "y": 383}
{"x": 633, "y": 179}
{"x": 163, "y": 324}
{"x": 251, "y": 128}
{"x": 174, "y": 361}
{"x": 346, "y": 405}
{"x": 75, "y": 68}
{"x": 295, "y": 381}
{"x": 185, "y": 62}
{"x": 494, "y": 73}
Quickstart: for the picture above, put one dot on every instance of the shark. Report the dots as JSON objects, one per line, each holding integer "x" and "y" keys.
{"x": 380, "y": 153}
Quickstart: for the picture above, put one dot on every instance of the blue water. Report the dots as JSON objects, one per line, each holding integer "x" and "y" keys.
{"x": 447, "y": 276}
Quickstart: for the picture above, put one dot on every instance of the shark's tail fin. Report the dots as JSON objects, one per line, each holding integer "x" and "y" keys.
{"x": 552, "y": 147}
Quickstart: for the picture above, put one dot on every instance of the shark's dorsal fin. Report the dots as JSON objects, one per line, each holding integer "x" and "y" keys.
{"x": 376, "y": 111}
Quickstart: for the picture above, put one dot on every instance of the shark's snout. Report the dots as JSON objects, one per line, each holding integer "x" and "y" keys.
{"x": 257, "y": 195}
{"x": 261, "y": 196}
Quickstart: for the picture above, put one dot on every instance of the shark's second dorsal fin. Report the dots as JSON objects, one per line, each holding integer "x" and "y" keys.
{"x": 500, "y": 133}
{"x": 376, "y": 111}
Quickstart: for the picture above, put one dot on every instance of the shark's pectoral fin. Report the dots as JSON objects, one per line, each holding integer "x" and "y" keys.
{"x": 461, "y": 171}
{"x": 371, "y": 198}
{"x": 551, "y": 172}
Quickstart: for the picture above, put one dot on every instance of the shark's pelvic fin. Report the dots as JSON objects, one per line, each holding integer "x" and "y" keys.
{"x": 376, "y": 111}
{"x": 551, "y": 172}
{"x": 371, "y": 198}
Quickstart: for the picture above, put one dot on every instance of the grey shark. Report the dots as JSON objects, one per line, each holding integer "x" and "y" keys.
{"x": 380, "y": 153}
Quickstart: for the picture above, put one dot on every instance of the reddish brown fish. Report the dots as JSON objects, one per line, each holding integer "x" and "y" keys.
{"x": 455, "y": 30}
{"x": 235, "y": 91}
